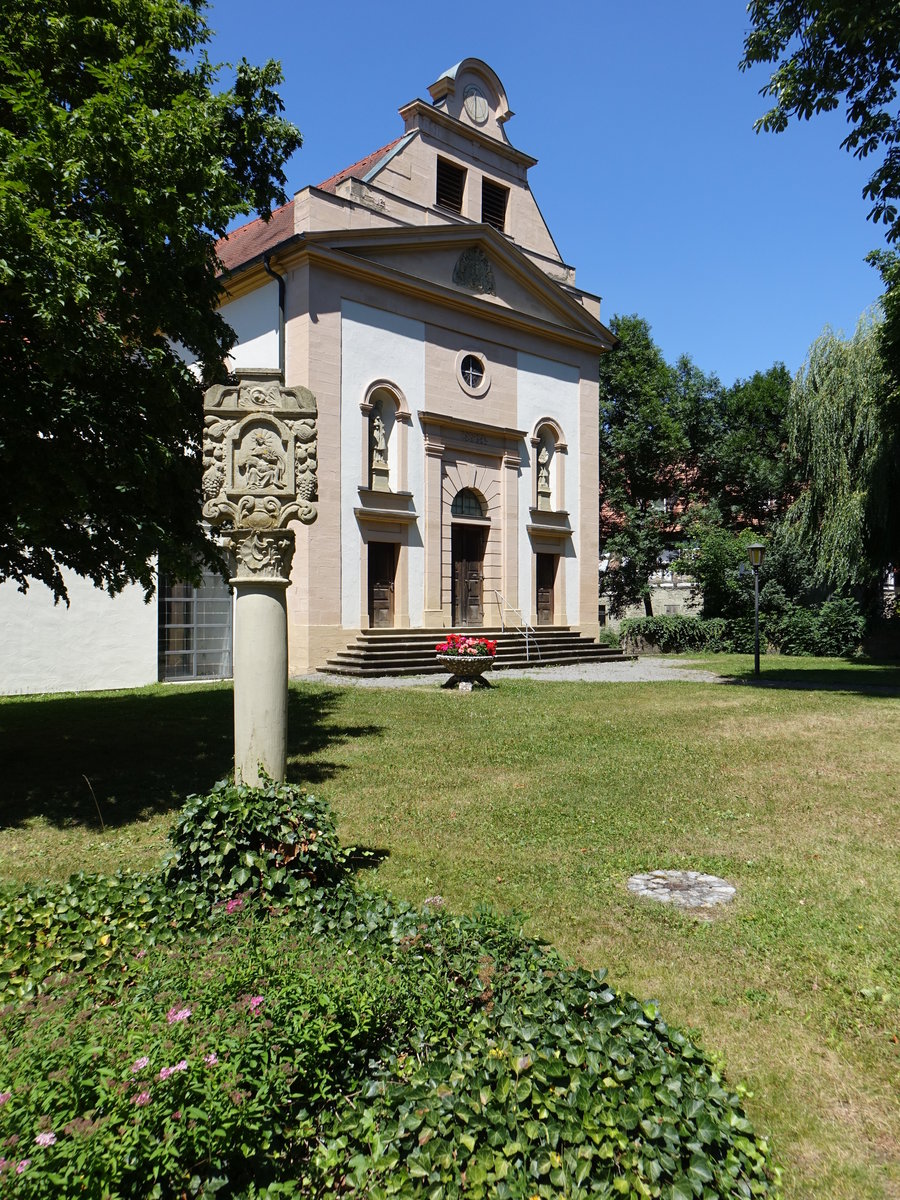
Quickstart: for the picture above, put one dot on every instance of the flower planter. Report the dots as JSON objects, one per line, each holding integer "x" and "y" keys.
{"x": 466, "y": 669}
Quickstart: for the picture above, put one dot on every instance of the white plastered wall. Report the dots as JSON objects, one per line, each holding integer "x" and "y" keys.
{"x": 254, "y": 318}
{"x": 97, "y": 642}
{"x": 378, "y": 345}
{"x": 547, "y": 388}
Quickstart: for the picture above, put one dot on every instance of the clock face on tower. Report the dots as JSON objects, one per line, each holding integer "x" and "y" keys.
{"x": 476, "y": 104}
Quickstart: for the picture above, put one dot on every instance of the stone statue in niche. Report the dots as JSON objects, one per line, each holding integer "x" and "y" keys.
{"x": 543, "y": 478}
{"x": 473, "y": 271}
{"x": 378, "y": 451}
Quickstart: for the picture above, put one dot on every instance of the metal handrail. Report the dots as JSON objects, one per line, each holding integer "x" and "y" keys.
{"x": 524, "y": 628}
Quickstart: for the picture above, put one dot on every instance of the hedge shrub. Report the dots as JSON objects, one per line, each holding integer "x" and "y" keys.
{"x": 833, "y": 629}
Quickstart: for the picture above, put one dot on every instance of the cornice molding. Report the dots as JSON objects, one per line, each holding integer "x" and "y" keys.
{"x": 592, "y": 335}
{"x": 418, "y": 108}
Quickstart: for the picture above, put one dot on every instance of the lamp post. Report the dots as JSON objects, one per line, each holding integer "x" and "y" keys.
{"x": 755, "y": 553}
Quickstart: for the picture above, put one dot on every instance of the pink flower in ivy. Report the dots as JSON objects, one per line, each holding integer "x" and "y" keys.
{"x": 45, "y": 1139}
{"x": 211, "y": 1060}
{"x": 4, "y": 1096}
{"x": 140, "y": 1063}
{"x": 174, "y": 1015}
{"x": 255, "y": 1002}
{"x": 235, "y": 903}
{"x": 141, "y": 1099}
{"x": 23, "y": 1165}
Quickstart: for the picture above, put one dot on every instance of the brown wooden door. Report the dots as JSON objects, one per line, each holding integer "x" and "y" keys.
{"x": 382, "y": 568}
{"x": 545, "y": 579}
{"x": 468, "y": 574}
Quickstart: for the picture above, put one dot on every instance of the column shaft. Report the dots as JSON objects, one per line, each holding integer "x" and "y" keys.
{"x": 260, "y": 679}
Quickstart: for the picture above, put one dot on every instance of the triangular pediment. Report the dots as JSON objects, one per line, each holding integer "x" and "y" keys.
{"x": 475, "y": 263}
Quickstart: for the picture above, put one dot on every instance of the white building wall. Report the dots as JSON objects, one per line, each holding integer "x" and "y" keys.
{"x": 546, "y": 388}
{"x": 97, "y": 642}
{"x": 254, "y": 318}
{"x": 378, "y": 345}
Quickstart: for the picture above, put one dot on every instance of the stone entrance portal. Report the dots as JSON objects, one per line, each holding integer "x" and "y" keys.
{"x": 382, "y": 572}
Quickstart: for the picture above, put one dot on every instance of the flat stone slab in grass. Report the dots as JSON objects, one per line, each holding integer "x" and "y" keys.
{"x": 686, "y": 889}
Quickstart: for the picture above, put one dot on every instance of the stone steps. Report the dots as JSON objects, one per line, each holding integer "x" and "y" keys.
{"x": 411, "y": 651}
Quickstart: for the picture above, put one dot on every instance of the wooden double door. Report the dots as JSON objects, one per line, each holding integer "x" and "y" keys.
{"x": 382, "y": 573}
{"x": 468, "y": 543}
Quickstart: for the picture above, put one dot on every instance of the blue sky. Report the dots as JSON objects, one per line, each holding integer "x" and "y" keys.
{"x": 737, "y": 247}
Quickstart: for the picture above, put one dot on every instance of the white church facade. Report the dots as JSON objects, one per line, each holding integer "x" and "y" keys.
{"x": 420, "y": 296}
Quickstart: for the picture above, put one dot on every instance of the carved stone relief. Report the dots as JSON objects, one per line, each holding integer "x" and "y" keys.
{"x": 259, "y": 469}
{"x": 260, "y": 458}
{"x": 259, "y": 455}
{"x": 265, "y": 555}
{"x": 474, "y": 271}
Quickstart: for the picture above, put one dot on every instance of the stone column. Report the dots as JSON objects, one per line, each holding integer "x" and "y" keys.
{"x": 260, "y": 472}
{"x": 261, "y": 653}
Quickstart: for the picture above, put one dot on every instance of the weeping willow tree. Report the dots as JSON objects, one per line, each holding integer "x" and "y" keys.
{"x": 843, "y": 429}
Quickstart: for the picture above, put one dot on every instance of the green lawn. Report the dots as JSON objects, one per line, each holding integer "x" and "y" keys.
{"x": 545, "y": 797}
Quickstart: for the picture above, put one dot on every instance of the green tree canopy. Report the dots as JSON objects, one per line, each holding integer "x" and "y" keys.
{"x": 683, "y": 456}
{"x": 743, "y": 459}
{"x": 642, "y": 454}
{"x": 826, "y": 51}
{"x": 850, "y": 456}
{"x": 829, "y": 51}
{"x": 120, "y": 166}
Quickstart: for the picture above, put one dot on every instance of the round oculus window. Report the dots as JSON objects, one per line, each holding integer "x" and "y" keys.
{"x": 472, "y": 371}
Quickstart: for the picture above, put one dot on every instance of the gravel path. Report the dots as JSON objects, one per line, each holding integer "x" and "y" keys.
{"x": 642, "y": 670}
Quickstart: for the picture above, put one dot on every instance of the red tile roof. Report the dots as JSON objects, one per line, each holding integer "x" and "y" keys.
{"x": 358, "y": 170}
{"x": 256, "y": 237}
{"x": 250, "y": 240}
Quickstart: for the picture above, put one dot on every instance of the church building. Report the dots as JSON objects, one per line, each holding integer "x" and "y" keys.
{"x": 419, "y": 295}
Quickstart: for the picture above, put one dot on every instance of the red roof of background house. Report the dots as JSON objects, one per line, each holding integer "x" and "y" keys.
{"x": 256, "y": 237}
{"x": 358, "y": 170}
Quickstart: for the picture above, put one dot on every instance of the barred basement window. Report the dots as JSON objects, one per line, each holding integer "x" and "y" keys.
{"x": 493, "y": 204}
{"x": 450, "y": 183}
{"x": 194, "y": 629}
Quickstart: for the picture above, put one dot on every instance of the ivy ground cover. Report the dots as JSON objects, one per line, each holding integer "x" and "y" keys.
{"x": 256, "y": 1024}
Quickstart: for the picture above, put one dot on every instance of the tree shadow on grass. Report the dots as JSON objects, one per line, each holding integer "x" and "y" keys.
{"x": 865, "y": 677}
{"x": 143, "y": 752}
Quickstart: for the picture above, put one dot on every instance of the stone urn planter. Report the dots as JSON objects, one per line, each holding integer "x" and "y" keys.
{"x": 471, "y": 657}
{"x": 466, "y": 671}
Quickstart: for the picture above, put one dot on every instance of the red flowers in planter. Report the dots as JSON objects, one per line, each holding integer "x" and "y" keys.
{"x": 458, "y": 646}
